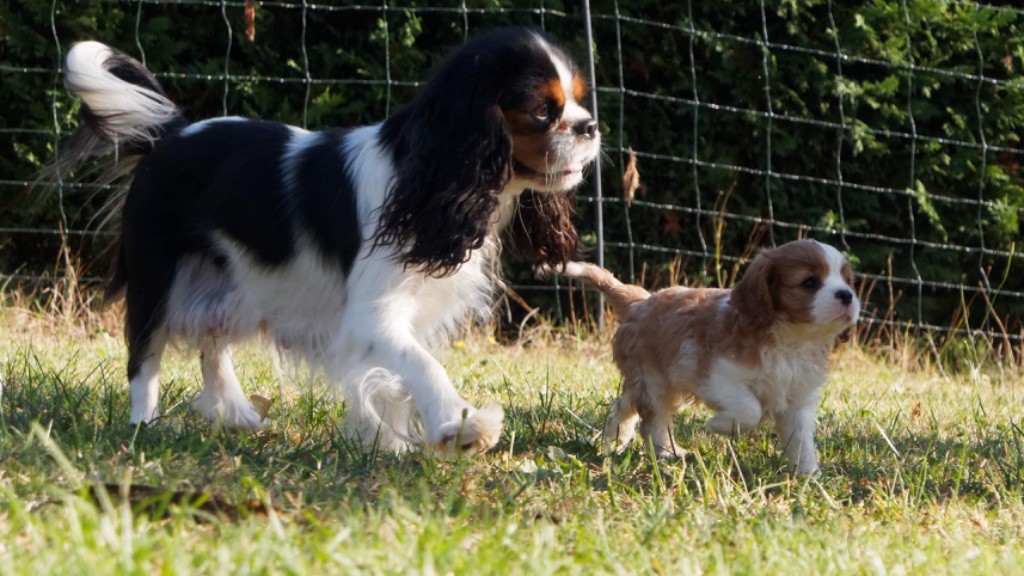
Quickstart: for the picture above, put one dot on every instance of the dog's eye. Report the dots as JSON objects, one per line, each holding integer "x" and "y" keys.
{"x": 811, "y": 283}
{"x": 541, "y": 113}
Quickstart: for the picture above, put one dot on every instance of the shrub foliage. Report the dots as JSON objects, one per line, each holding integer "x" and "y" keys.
{"x": 947, "y": 71}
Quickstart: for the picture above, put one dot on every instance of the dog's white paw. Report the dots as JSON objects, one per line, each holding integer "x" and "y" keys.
{"x": 477, "y": 432}
{"x": 238, "y": 414}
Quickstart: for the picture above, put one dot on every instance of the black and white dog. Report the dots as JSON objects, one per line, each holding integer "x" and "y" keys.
{"x": 358, "y": 249}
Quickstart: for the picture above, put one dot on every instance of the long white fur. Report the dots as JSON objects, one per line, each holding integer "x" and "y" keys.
{"x": 130, "y": 113}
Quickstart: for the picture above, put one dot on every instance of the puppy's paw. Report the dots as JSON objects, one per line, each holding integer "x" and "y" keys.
{"x": 618, "y": 434}
{"x": 476, "y": 432}
{"x": 808, "y": 467}
{"x": 665, "y": 454}
{"x": 733, "y": 425}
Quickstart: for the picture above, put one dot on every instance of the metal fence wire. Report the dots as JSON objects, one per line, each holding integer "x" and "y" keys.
{"x": 927, "y": 253}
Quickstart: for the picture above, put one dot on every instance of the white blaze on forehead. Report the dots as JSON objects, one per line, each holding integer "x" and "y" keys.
{"x": 572, "y": 112}
{"x": 834, "y": 258}
{"x": 826, "y": 304}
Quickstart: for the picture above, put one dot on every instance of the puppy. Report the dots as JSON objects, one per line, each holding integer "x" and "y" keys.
{"x": 758, "y": 350}
{"x": 355, "y": 249}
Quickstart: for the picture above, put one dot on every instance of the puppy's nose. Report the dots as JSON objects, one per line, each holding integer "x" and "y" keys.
{"x": 844, "y": 296}
{"x": 586, "y": 128}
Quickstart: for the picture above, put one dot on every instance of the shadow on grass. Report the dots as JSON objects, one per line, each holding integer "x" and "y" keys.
{"x": 550, "y": 447}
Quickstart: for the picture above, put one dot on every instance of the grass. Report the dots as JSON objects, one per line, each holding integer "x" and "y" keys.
{"x": 923, "y": 474}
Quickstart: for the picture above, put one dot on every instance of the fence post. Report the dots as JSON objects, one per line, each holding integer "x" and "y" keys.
{"x": 598, "y": 196}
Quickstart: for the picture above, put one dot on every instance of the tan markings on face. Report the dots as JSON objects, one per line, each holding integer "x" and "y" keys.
{"x": 531, "y": 139}
{"x": 846, "y": 272}
{"x": 552, "y": 91}
{"x": 796, "y": 263}
{"x": 579, "y": 88}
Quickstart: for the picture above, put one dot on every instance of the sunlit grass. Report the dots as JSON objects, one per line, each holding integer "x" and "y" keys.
{"x": 923, "y": 473}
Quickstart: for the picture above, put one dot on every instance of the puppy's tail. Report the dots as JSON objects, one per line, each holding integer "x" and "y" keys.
{"x": 620, "y": 296}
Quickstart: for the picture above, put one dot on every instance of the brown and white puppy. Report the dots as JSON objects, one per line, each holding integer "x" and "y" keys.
{"x": 758, "y": 350}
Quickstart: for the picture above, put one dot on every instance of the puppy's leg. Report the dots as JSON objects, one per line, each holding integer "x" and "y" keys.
{"x": 449, "y": 422}
{"x": 222, "y": 399}
{"x": 795, "y": 428}
{"x": 658, "y": 406}
{"x": 738, "y": 410}
{"x": 621, "y": 425}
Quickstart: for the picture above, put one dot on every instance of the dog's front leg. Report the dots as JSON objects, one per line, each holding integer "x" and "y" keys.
{"x": 795, "y": 428}
{"x": 450, "y": 423}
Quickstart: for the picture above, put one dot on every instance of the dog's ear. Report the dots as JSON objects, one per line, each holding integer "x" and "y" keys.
{"x": 453, "y": 156}
{"x": 753, "y": 294}
{"x": 542, "y": 230}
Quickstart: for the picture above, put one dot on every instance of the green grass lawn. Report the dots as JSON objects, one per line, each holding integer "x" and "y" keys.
{"x": 923, "y": 473}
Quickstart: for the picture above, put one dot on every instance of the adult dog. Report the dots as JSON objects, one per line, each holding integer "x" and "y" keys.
{"x": 357, "y": 249}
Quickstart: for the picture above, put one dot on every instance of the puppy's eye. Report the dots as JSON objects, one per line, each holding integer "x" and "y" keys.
{"x": 811, "y": 283}
{"x": 541, "y": 113}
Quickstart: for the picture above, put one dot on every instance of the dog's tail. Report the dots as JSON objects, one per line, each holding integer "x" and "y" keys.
{"x": 123, "y": 114}
{"x": 620, "y": 296}
{"x": 122, "y": 103}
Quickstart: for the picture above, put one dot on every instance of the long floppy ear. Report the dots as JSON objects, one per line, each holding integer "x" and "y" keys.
{"x": 453, "y": 155}
{"x": 542, "y": 230}
{"x": 752, "y": 295}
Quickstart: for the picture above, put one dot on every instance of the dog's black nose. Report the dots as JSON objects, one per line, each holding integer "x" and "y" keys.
{"x": 844, "y": 296}
{"x": 586, "y": 128}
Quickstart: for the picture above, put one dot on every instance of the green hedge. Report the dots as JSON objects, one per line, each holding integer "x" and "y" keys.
{"x": 885, "y": 91}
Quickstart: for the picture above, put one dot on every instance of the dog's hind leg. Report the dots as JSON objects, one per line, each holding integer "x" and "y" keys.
{"x": 146, "y": 332}
{"x": 222, "y": 399}
{"x": 621, "y": 425}
{"x": 144, "y": 377}
{"x": 658, "y": 406}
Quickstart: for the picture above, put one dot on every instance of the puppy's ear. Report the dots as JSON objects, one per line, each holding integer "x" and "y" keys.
{"x": 542, "y": 230}
{"x": 453, "y": 155}
{"x": 752, "y": 295}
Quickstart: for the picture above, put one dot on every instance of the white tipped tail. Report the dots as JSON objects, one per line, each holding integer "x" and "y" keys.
{"x": 123, "y": 115}
{"x": 123, "y": 100}
{"x": 620, "y": 296}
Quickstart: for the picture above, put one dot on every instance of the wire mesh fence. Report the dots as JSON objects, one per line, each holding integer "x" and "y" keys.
{"x": 889, "y": 131}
